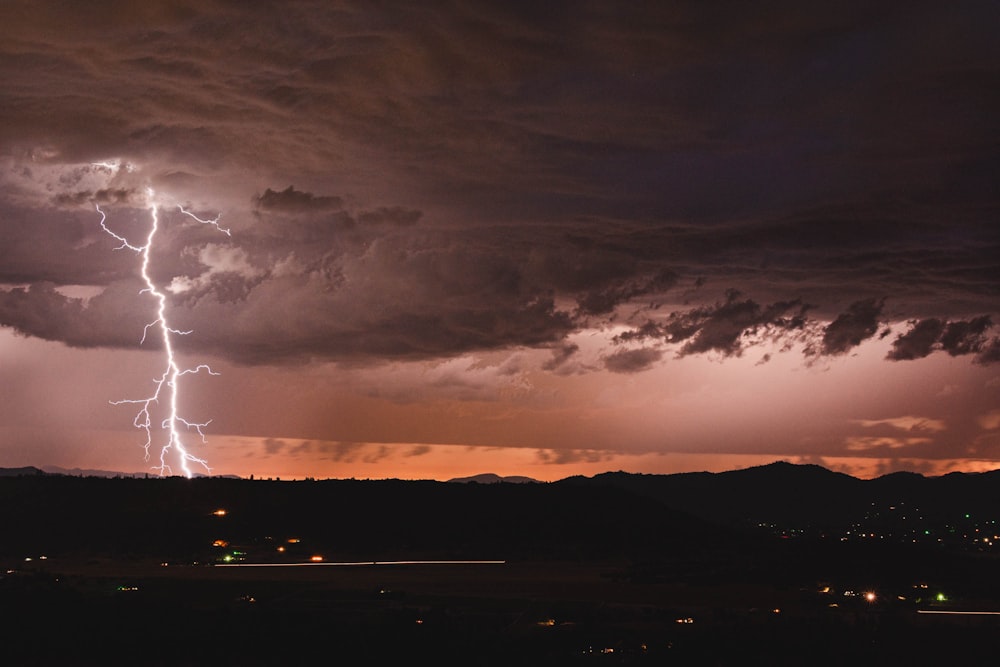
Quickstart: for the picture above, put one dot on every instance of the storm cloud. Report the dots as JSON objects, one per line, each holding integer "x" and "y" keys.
{"x": 460, "y": 182}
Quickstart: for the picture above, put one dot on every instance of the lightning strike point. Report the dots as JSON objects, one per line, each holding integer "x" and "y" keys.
{"x": 167, "y": 385}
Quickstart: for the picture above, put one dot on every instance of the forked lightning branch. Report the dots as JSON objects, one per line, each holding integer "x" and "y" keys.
{"x": 166, "y": 388}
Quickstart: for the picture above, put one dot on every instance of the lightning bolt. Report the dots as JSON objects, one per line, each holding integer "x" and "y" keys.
{"x": 167, "y": 386}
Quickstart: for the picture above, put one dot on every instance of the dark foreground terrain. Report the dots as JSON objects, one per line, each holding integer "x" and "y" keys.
{"x": 237, "y": 572}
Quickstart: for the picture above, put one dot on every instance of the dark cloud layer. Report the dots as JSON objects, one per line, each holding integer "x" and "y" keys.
{"x": 477, "y": 175}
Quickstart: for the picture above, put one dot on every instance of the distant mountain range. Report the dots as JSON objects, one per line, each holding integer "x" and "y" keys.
{"x": 780, "y": 492}
{"x": 810, "y": 495}
{"x": 491, "y": 478}
{"x": 788, "y": 496}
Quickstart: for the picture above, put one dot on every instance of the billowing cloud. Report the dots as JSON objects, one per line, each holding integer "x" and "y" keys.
{"x": 918, "y": 342}
{"x": 110, "y": 319}
{"x": 617, "y": 291}
{"x": 858, "y": 323}
{"x": 957, "y": 338}
{"x": 218, "y": 261}
{"x": 965, "y": 337}
{"x": 725, "y": 327}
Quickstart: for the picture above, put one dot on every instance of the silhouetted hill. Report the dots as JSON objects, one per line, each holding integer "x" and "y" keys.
{"x": 779, "y": 492}
{"x": 810, "y": 496}
{"x": 175, "y": 518}
{"x": 492, "y": 478}
{"x": 20, "y": 472}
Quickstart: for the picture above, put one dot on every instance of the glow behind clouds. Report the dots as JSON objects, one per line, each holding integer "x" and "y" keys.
{"x": 547, "y": 240}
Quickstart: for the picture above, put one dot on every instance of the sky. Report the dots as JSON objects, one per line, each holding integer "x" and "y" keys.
{"x": 527, "y": 238}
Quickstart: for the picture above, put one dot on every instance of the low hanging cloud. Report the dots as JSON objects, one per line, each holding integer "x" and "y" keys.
{"x": 336, "y": 451}
{"x": 731, "y": 326}
{"x": 561, "y": 354}
{"x": 893, "y": 433}
{"x": 109, "y": 319}
{"x": 724, "y": 327}
{"x": 957, "y": 338}
{"x": 990, "y": 354}
{"x": 632, "y": 361}
{"x": 908, "y": 423}
{"x": 966, "y": 337}
{"x": 568, "y": 456}
{"x": 273, "y": 446}
{"x": 299, "y": 202}
{"x": 612, "y": 293}
{"x": 117, "y": 196}
{"x": 858, "y": 323}
{"x": 869, "y": 443}
{"x": 291, "y": 200}
{"x": 918, "y": 342}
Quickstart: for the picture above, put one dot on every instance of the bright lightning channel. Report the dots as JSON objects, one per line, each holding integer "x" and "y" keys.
{"x": 169, "y": 382}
